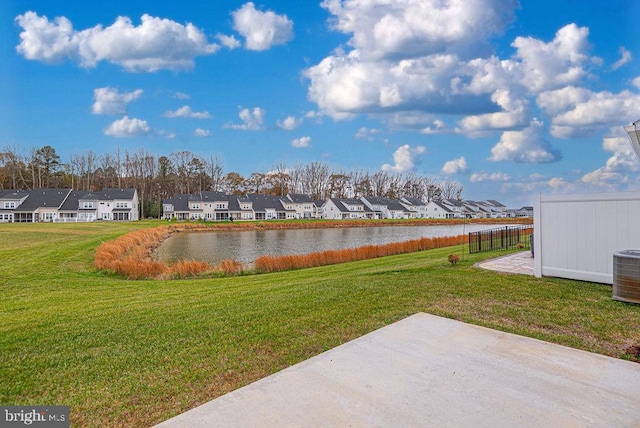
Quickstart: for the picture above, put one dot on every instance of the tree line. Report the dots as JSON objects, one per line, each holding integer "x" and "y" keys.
{"x": 159, "y": 177}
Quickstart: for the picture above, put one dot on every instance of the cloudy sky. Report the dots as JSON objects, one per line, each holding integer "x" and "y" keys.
{"x": 509, "y": 98}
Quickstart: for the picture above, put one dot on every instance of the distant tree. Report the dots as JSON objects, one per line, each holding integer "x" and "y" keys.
{"x": 13, "y": 170}
{"x": 216, "y": 172}
{"x": 45, "y": 164}
{"x": 339, "y": 185}
{"x": 314, "y": 179}
{"x": 233, "y": 183}
{"x": 255, "y": 183}
{"x": 451, "y": 190}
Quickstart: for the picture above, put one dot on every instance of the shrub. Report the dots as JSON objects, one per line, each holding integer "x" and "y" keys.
{"x": 453, "y": 259}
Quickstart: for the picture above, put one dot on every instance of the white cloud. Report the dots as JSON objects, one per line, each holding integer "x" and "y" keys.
{"x": 229, "y": 42}
{"x": 455, "y": 166}
{"x": 405, "y": 158}
{"x": 126, "y": 127}
{"x": 301, "y": 143}
{"x": 617, "y": 168}
{"x": 479, "y": 177}
{"x": 410, "y": 57}
{"x": 625, "y": 57}
{"x": 515, "y": 114}
{"x": 436, "y": 127}
{"x": 552, "y": 65}
{"x": 199, "y": 132}
{"x": 185, "y": 111}
{"x": 367, "y": 133}
{"x": 526, "y": 146}
{"x": 108, "y": 100}
{"x": 252, "y": 120}
{"x": 153, "y": 45}
{"x": 580, "y": 112}
{"x": 181, "y": 96}
{"x": 384, "y": 29}
{"x": 289, "y": 123}
{"x": 261, "y": 30}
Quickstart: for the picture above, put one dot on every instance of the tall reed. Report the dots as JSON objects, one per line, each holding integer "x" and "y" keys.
{"x": 322, "y": 258}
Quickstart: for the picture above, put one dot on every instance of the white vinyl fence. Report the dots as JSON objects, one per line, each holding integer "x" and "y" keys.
{"x": 575, "y": 236}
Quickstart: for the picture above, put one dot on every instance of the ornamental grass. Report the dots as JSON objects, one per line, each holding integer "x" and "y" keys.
{"x": 322, "y": 258}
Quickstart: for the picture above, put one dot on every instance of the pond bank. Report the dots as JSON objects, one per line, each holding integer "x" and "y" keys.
{"x": 131, "y": 255}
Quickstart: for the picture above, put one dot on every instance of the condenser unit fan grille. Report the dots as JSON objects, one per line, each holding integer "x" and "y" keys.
{"x": 626, "y": 276}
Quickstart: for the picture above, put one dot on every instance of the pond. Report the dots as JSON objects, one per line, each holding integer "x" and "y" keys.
{"x": 247, "y": 245}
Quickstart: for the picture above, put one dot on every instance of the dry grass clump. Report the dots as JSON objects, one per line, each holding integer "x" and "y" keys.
{"x": 188, "y": 268}
{"x": 231, "y": 267}
{"x": 130, "y": 255}
{"x": 290, "y": 262}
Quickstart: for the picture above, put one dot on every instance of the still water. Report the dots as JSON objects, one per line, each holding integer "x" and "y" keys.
{"x": 246, "y": 246}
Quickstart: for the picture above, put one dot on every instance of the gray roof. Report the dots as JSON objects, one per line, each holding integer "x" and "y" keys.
{"x": 208, "y": 196}
{"x": 110, "y": 193}
{"x": 495, "y": 203}
{"x": 73, "y": 200}
{"x": 441, "y": 206}
{"x": 340, "y": 203}
{"x": 299, "y": 198}
{"x": 43, "y": 198}
{"x": 414, "y": 201}
{"x": 397, "y": 206}
{"x": 377, "y": 200}
{"x": 180, "y": 201}
{"x": 264, "y": 202}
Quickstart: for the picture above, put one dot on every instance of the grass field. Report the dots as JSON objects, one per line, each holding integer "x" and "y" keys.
{"x": 134, "y": 353}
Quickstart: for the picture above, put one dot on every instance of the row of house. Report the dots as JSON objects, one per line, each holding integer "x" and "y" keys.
{"x": 115, "y": 204}
{"x": 68, "y": 205}
{"x": 220, "y": 206}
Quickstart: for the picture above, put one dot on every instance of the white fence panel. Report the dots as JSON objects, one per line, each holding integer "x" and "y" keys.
{"x": 575, "y": 236}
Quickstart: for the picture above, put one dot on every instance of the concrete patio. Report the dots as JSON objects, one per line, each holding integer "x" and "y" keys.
{"x": 431, "y": 371}
{"x": 521, "y": 263}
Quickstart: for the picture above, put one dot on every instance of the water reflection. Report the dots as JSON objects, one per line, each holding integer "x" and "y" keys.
{"x": 247, "y": 245}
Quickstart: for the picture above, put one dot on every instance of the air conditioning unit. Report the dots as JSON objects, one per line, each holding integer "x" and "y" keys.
{"x": 626, "y": 276}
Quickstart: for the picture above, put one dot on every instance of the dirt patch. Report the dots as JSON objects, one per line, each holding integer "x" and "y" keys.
{"x": 633, "y": 352}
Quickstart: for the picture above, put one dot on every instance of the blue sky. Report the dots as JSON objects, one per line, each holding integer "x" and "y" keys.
{"x": 508, "y": 98}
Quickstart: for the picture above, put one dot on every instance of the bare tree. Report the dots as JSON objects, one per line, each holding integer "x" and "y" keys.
{"x": 451, "y": 190}
{"x": 216, "y": 172}
{"x": 14, "y": 169}
{"x": 314, "y": 179}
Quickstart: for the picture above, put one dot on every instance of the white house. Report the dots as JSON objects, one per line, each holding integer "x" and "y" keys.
{"x": 67, "y": 205}
{"x": 437, "y": 210}
{"x": 416, "y": 206}
{"x": 345, "y": 209}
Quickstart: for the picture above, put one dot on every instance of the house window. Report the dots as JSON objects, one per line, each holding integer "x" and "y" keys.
{"x": 246, "y": 207}
{"x": 87, "y": 205}
{"x": 195, "y": 206}
{"x": 11, "y": 204}
{"x": 121, "y": 205}
{"x": 221, "y": 206}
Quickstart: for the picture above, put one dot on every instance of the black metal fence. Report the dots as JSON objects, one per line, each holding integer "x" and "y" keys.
{"x": 503, "y": 238}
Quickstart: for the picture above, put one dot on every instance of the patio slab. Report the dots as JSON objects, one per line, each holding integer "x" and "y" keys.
{"x": 432, "y": 371}
{"x": 521, "y": 263}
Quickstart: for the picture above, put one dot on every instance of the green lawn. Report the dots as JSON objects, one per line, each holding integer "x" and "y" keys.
{"x": 134, "y": 353}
